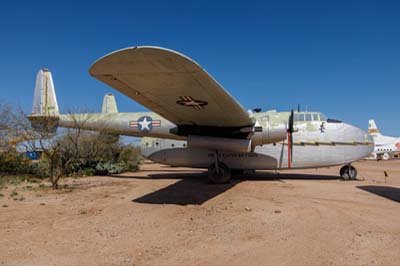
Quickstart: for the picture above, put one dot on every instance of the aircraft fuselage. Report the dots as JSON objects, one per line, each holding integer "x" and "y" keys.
{"x": 317, "y": 141}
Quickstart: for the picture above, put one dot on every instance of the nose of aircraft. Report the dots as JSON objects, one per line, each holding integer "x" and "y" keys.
{"x": 362, "y": 143}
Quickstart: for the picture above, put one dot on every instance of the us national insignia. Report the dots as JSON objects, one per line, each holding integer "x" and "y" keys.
{"x": 145, "y": 124}
{"x": 190, "y": 102}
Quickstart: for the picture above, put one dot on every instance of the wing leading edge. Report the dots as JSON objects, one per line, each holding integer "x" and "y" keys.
{"x": 172, "y": 85}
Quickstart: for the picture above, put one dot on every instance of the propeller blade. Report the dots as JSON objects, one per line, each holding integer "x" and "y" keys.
{"x": 290, "y": 138}
{"x": 291, "y": 118}
{"x": 289, "y": 150}
{"x": 291, "y": 147}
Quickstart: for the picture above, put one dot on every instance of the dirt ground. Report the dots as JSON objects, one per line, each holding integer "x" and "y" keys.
{"x": 171, "y": 216}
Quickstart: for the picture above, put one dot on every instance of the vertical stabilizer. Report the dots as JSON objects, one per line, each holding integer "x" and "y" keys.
{"x": 44, "y": 99}
{"x": 109, "y": 104}
{"x": 372, "y": 128}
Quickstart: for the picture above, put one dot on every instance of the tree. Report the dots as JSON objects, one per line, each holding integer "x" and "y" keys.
{"x": 73, "y": 150}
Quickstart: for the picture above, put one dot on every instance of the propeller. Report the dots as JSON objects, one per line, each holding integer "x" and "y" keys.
{"x": 290, "y": 138}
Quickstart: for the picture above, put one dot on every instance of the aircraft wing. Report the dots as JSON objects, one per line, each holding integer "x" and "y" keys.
{"x": 172, "y": 85}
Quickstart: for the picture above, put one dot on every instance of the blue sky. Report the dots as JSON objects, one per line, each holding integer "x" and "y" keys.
{"x": 338, "y": 57}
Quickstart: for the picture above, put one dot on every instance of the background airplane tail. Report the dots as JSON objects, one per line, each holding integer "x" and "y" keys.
{"x": 109, "y": 104}
{"x": 372, "y": 128}
{"x": 45, "y": 112}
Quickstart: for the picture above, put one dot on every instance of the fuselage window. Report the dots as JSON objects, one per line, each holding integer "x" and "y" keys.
{"x": 298, "y": 117}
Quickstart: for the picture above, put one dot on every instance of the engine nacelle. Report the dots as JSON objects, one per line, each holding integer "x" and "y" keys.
{"x": 215, "y": 143}
{"x": 269, "y": 135}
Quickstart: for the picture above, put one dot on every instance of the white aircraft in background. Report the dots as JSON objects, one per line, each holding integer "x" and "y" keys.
{"x": 385, "y": 146}
{"x": 196, "y": 123}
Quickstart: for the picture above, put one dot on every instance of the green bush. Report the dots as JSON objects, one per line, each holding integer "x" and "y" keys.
{"x": 88, "y": 171}
{"x": 130, "y": 157}
{"x": 107, "y": 168}
{"x": 40, "y": 169}
{"x": 119, "y": 158}
{"x": 14, "y": 163}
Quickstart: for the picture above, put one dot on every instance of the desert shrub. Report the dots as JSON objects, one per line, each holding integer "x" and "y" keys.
{"x": 130, "y": 157}
{"x": 108, "y": 168}
{"x": 40, "y": 169}
{"x": 14, "y": 163}
{"x": 88, "y": 171}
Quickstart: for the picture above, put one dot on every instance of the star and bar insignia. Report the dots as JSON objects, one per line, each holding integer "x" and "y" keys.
{"x": 190, "y": 102}
{"x": 145, "y": 124}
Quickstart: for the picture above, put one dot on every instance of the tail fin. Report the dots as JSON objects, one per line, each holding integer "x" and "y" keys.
{"x": 372, "y": 128}
{"x": 109, "y": 104}
{"x": 44, "y": 99}
{"x": 45, "y": 113}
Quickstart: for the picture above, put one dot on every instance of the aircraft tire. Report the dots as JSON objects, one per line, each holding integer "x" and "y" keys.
{"x": 222, "y": 176}
{"x": 348, "y": 173}
{"x": 385, "y": 156}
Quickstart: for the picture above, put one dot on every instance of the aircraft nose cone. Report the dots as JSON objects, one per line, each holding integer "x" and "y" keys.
{"x": 362, "y": 143}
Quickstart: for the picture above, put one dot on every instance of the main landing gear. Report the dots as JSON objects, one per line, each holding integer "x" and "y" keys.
{"x": 218, "y": 172}
{"x": 348, "y": 172}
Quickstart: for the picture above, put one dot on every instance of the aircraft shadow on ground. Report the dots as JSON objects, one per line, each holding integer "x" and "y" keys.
{"x": 192, "y": 188}
{"x": 186, "y": 191}
{"x": 261, "y": 176}
{"x": 391, "y": 193}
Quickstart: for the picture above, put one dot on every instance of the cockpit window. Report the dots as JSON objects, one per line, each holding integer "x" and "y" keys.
{"x": 301, "y": 117}
{"x": 298, "y": 117}
{"x": 322, "y": 117}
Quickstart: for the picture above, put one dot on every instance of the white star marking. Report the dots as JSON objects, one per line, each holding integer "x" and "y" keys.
{"x": 145, "y": 124}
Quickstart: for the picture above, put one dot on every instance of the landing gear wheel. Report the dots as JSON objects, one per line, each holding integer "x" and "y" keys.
{"x": 220, "y": 174}
{"x": 348, "y": 172}
{"x": 385, "y": 156}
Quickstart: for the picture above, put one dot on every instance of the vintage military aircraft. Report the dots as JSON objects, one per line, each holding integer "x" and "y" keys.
{"x": 196, "y": 123}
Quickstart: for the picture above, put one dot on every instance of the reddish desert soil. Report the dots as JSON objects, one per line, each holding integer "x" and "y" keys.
{"x": 171, "y": 216}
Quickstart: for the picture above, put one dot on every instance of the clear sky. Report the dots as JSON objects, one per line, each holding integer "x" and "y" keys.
{"x": 338, "y": 57}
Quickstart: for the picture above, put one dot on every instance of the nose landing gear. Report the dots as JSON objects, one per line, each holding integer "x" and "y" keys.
{"x": 348, "y": 172}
